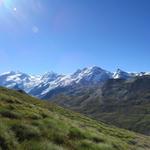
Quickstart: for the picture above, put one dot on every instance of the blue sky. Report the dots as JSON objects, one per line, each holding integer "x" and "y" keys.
{"x": 63, "y": 35}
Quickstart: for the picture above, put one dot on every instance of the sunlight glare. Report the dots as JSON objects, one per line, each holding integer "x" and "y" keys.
{"x": 15, "y": 9}
{"x": 7, "y": 3}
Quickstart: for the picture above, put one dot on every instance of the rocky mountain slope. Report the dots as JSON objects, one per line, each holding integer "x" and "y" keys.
{"x": 31, "y": 124}
{"x": 118, "y": 98}
{"x": 124, "y": 103}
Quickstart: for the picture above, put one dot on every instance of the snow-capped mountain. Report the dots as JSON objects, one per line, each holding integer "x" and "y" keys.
{"x": 92, "y": 75}
{"x": 122, "y": 74}
{"x": 84, "y": 77}
{"x": 49, "y": 76}
{"x": 39, "y": 85}
{"x": 20, "y": 80}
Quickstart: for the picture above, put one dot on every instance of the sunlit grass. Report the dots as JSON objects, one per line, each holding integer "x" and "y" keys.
{"x": 31, "y": 124}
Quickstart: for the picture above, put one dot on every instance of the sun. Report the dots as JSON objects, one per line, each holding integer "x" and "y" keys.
{"x": 8, "y": 4}
{"x": 15, "y": 9}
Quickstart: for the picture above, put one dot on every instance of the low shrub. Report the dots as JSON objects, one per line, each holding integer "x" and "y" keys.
{"x": 25, "y": 132}
{"x": 98, "y": 140}
{"x": 40, "y": 145}
{"x": 7, "y": 139}
{"x": 75, "y": 133}
{"x": 58, "y": 138}
{"x": 10, "y": 114}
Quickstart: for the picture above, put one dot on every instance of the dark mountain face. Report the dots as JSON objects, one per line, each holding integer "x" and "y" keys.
{"x": 124, "y": 103}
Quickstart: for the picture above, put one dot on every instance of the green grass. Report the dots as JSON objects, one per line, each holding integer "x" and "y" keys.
{"x": 27, "y": 123}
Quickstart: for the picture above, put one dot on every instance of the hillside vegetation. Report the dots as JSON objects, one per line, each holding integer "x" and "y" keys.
{"x": 27, "y": 123}
{"x": 123, "y": 103}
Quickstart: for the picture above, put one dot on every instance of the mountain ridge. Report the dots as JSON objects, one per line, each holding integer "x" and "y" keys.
{"x": 118, "y": 98}
{"x": 123, "y": 103}
{"x": 51, "y": 80}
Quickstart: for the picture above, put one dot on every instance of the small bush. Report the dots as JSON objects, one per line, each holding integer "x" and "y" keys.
{"x": 40, "y": 145}
{"x": 7, "y": 139}
{"x": 3, "y": 143}
{"x": 58, "y": 138}
{"x": 88, "y": 145}
{"x": 98, "y": 140}
{"x": 44, "y": 115}
{"x": 75, "y": 133}
{"x": 35, "y": 117}
{"x": 10, "y": 114}
{"x": 25, "y": 132}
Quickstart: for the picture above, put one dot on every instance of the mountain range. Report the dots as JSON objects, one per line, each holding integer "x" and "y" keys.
{"x": 41, "y": 85}
{"x": 120, "y": 98}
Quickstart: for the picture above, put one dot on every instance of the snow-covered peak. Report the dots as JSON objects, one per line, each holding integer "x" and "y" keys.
{"x": 88, "y": 71}
{"x": 120, "y": 74}
{"x": 18, "y": 79}
{"x": 49, "y": 76}
{"x": 39, "y": 85}
{"x": 91, "y": 74}
{"x": 147, "y": 73}
{"x": 142, "y": 73}
{"x": 9, "y": 73}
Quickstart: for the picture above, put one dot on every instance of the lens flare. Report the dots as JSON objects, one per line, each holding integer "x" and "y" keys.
{"x": 6, "y": 3}
{"x": 15, "y": 9}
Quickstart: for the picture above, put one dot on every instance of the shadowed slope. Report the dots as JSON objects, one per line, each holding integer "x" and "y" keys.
{"x": 124, "y": 103}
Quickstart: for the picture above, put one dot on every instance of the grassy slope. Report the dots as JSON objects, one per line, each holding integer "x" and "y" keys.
{"x": 125, "y": 104}
{"x": 30, "y": 124}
